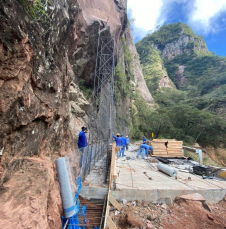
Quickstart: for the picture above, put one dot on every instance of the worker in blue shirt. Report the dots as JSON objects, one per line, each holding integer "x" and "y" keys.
{"x": 82, "y": 140}
{"x": 123, "y": 145}
{"x": 82, "y": 145}
{"x": 118, "y": 140}
{"x": 144, "y": 148}
{"x": 144, "y": 140}
{"x": 127, "y": 142}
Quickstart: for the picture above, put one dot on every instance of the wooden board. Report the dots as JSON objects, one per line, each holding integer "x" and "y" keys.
{"x": 175, "y": 142}
{"x": 174, "y": 145}
{"x": 159, "y": 149}
{"x": 107, "y": 209}
{"x": 161, "y": 155}
{"x": 113, "y": 162}
{"x": 163, "y": 140}
{"x": 115, "y": 176}
{"x": 160, "y": 152}
{"x": 114, "y": 203}
{"x": 174, "y": 151}
{"x": 158, "y": 146}
{"x": 169, "y": 149}
{"x": 110, "y": 223}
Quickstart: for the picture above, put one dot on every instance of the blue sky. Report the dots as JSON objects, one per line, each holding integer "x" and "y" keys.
{"x": 205, "y": 17}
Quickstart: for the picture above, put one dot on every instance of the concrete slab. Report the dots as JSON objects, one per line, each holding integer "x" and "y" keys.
{"x": 133, "y": 184}
{"x": 96, "y": 178}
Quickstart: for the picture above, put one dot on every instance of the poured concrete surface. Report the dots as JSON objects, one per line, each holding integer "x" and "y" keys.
{"x": 133, "y": 184}
{"x": 97, "y": 175}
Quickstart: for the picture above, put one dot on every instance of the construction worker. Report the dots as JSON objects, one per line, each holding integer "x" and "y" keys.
{"x": 127, "y": 142}
{"x": 82, "y": 145}
{"x": 144, "y": 140}
{"x": 118, "y": 140}
{"x": 82, "y": 140}
{"x": 123, "y": 145}
{"x": 144, "y": 148}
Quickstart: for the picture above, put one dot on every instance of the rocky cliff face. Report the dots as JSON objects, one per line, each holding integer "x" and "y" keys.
{"x": 184, "y": 44}
{"x": 181, "y": 80}
{"x": 164, "y": 80}
{"x": 137, "y": 71}
{"x": 44, "y": 53}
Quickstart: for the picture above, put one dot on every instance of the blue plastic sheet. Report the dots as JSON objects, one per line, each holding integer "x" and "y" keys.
{"x": 73, "y": 221}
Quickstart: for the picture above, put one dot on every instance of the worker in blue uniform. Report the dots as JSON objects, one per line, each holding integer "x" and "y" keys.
{"x": 82, "y": 145}
{"x": 144, "y": 140}
{"x": 127, "y": 142}
{"x": 82, "y": 140}
{"x": 123, "y": 145}
{"x": 144, "y": 148}
{"x": 118, "y": 141}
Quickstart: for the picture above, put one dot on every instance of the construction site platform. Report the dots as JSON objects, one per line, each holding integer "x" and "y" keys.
{"x": 139, "y": 179}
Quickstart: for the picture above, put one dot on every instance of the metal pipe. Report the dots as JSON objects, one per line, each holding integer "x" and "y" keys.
{"x": 195, "y": 150}
{"x": 166, "y": 169}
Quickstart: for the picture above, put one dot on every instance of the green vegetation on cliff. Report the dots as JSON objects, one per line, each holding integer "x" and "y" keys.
{"x": 203, "y": 72}
{"x": 151, "y": 66}
{"x": 167, "y": 34}
{"x": 36, "y": 10}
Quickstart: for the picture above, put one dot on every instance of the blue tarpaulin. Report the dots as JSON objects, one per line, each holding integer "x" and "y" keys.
{"x": 72, "y": 222}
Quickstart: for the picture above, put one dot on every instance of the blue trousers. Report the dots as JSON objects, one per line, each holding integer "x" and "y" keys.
{"x": 141, "y": 150}
{"x": 83, "y": 158}
{"x": 147, "y": 152}
{"x": 123, "y": 150}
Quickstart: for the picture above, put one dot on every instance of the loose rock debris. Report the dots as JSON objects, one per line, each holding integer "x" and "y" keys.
{"x": 186, "y": 213}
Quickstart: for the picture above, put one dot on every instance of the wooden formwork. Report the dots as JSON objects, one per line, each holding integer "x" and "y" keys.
{"x": 167, "y": 148}
{"x": 113, "y": 174}
{"x": 109, "y": 223}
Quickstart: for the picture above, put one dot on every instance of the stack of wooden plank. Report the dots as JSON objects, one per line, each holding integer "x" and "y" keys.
{"x": 159, "y": 148}
{"x": 167, "y": 148}
{"x": 174, "y": 148}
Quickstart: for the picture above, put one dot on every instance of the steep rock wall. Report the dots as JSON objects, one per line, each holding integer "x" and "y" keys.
{"x": 181, "y": 80}
{"x": 154, "y": 72}
{"x": 137, "y": 71}
{"x": 41, "y": 109}
{"x": 164, "y": 80}
{"x": 184, "y": 44}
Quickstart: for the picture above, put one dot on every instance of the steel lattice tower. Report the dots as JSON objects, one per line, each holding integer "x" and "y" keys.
{"x": 104, "y": 84}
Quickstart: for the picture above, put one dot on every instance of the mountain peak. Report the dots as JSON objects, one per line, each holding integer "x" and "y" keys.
{"x": 175, "y": 39}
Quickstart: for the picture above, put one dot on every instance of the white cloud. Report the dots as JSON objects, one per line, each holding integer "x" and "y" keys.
{"x": 146, "y": 13}
{"x": 151, "y": 13}
{"x": 203, "y": 13}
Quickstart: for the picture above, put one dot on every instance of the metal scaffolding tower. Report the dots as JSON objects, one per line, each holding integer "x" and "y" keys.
{"x": 104, "y": 84}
